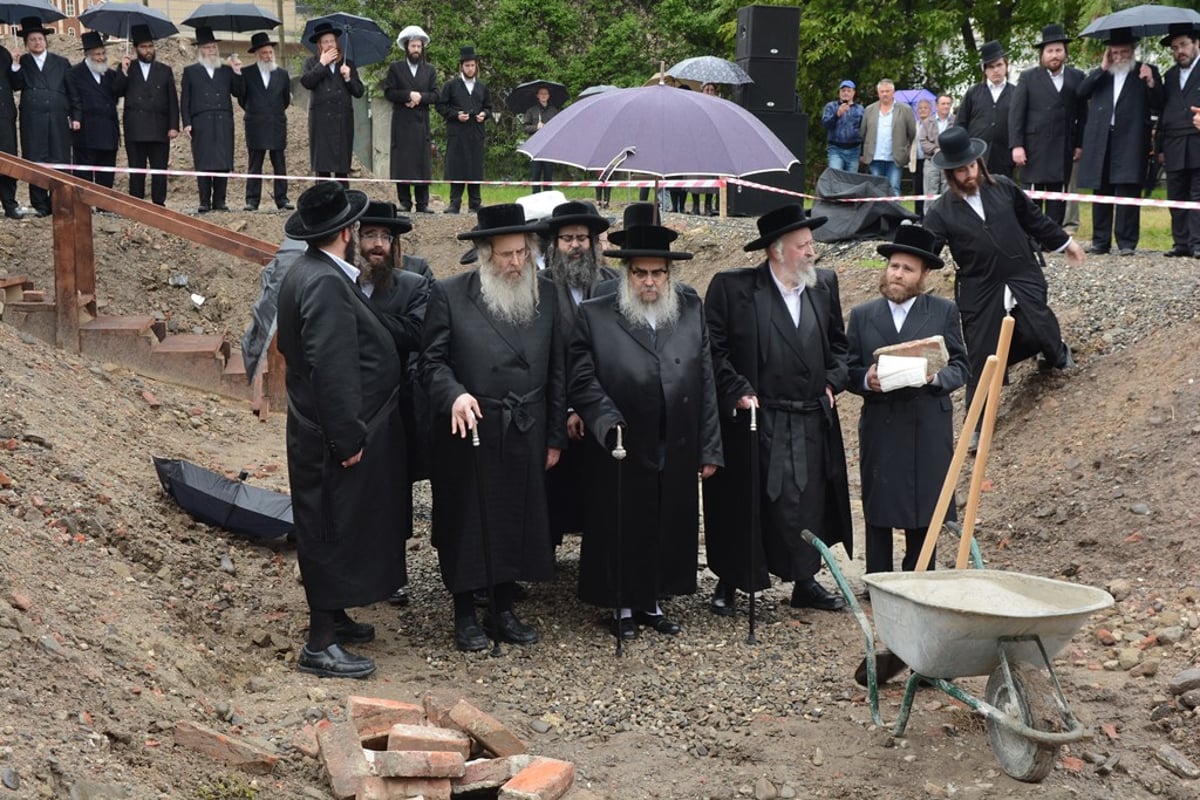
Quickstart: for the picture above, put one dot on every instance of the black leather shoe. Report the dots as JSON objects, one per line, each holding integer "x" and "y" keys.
{"x": 250, "y": 207}
{"x": 627, "y": 626}
{"x": 220, "y": 208}
{"x": 658, "y": 622}
{"x": 724, "y": 601}
{"x": 468, "y": 636}
{"x": 203, "y": 210}
{"x": 424, "y": 210}
{"x": 399, "y": 597}
{"x": 512, "y": 630}
{"x": 334, "y": 662}
{"x": 1127, "y": 251}
{"x": 285, "y": 206}
{"x": 1097, "y": 249}
{"x": 810, "y": 594}
{"x": 451, "y": 210}
{"x": 42, "y": 212}
{"x": 1178, "y": 251}
{"x": 14, "y": 213}
{"x": 406, "y": 207}
{"x": 350, "y": 632}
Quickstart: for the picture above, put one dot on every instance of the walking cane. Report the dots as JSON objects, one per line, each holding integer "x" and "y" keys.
{"x": 755, "y": 512}
{"x": 484, "y": 535}
{"x": 619, "y": 454}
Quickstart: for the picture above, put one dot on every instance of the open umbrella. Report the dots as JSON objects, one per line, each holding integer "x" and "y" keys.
{"x": 13, "y": 12}
{"x": 1142, "y": 21}
{"x": 363, "y": 42}
{"x": 233, "y": 17}
{"x": 117, "y": 19}
{"x": 524, "y": 96}
{"x": 598, "y": 89}
{"x": 710, "y": 69}
{"x": 911, "y": 97}
{"x": 663, "y": 78}
{"x": 659, "y": 130}
{"x": 217, "y": 500}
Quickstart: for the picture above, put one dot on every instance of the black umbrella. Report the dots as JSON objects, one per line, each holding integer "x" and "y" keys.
{"x": 233, "y": 17}
{"x": 13, "y": 12}
{"x": 524, "y": 97}
{"x": 216, "y": 500}
{"x": 1142, "y": 21}
{"x": 362, "y": 41}
{"x": 118, "y": 19}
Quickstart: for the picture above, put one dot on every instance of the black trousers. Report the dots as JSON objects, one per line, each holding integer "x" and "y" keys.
{"x": 1054, "y": 209}
{"x": 474, "y": 195}
{"x": 1184, "y": 184}
{"x": 540, "y": 171}
{"x": 8, "y": 194}
{"x": 338, "y": 176}
{"x": 154, "y": 155}
{"x": 212, "y": 192}
{"x": 919, "y": 186}
{"x": 87, "y": 157}
{"x": 254, "y": 185}
{"x": 407, "y": 192}
{"x": 879, "y": 549}
{"x": 1128, "y": 218}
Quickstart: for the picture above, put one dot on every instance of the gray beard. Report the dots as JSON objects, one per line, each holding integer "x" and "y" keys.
{"x": 97, "y": 67}
{"x": 574, "y": 272}
{"x": 267, "y": 66}
{"x": 664, "y": 310}
{"x": 515, "y": 303}
{"x": 1121, "y": 69}
{"x": 209, "y": 63}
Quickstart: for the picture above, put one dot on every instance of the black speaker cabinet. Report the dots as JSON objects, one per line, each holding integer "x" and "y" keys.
{"x": 774, "y": 87}
{"x": 792, "y": 130}
{"x": 768, "y": 32}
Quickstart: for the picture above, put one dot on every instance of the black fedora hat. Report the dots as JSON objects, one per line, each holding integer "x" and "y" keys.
{"x": 205, "y": 35}
{"x": 385, "y": 214}
{"x": 914, "y": 240}
{"x": 782, "y": 220}
{"x": 91, "y": 40}
{"x": 637, "y": 215}
{"x": 140, "y": 34}
{"x": 1122, "y": 36}
{"x": 574, "y": 212}
{"x": 991, "y": 51}
{"x": 261, "y": 40}
{"x": 33, "y": 25}
{"x": 501, "y": 219}
{"x": 957, "y": 148}
{"x": 1180, "y": 29}
{"x": 323, "y": 28}
{"x": 324, "y": 209}
{"x": 1051, "y": 34}
{"x": 647, "y": 241}
{"x": 467, "y": 52}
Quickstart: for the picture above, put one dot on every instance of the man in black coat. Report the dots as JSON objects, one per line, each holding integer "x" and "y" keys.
{"x": 334, "y": 84}
{"x": 265, "y": 96}
{"x": 640, "y": 362}
{"x": 493, "y": 360}
{"x": 1044, "y": 124}
{"x": 206, "y": 106}
{"x": 532, "y": 121}
{"x": 8, "y": 134}
{"x": 1122, "y": 96}
{"x": 97, "y": 88}
{"x": 906, "y": 434}
{"x": 151, "y": 117}
{"x": 466, "y": 104}
{"x": 1178, "y": 143}
{"x": 411, "y": 87}
{"x": 778, "y": 345}
{"x": 345, "y": 440}
{"x": 47, "y": 102}
{"x": 985, "y": 109}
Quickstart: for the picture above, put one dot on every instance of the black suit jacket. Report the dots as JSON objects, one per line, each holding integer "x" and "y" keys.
{"x": 265, "y": 107}
{"x": 151, "y": 104}
{"x": 1048, "y": 123}
{"x": 96, "y": 112}
{"x": 47, "y": 99}
{"x": 411, "y": 155}
{"x": 1178, "y": 139}
{"x": 987, "y": 119}
{"x": 1120, "y": 140}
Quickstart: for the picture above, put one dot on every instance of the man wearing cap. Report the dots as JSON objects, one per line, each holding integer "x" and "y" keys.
{"x": 8, "y": 134}
{"x": 778, "y": 345}
{"x": 206, "y": 107}
{"x": 991, "y": 225}
{"x": 493, "y": 359}
{"x": 532, "y": 121}
{"x": 151, "y": 117}
{"x": 888, "y": 132}
{"x": 48, "y": 106}
{"x": 95, "y": 141}
{"x": 985, "y": 109}
{"x": 465, "y": 103}
{"x": 1122, "y": 96}
{"x": 266, "y": 93}
{"x": 640, "y": 362}
{"x": 1178, "y": 143}
{"x": 345, "y": 440}
{"x": 411, "y": 87}
{"x": 905, "y": 435}
{"x": 842, "y": 118}
{"x": 334, "y": 83}
{"x": 1044, "y": 123}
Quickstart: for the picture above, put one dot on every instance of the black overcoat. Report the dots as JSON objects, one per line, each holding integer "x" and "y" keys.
{"x": 99, "y": 127}
{"x": 906, "y": 436}
{"x": 151, "y": 104}
{"x": 206, "y": 104}
{"x": 1124, "y": 144}
{"x": 1178, "y": 139}
{"x": 343, "y": 381}
{"x": 330, "y": 114}
{"x": 987, "y": 119}
{"x": 412, "y": 153}
{"x": 518, "y": 377}
{"x": 47, "y": 99}
{"x": 8, "y": 105}
{"x": 265, "y": 107}
{"x": 464, "y": 140}
{"x": 1047, "y": 122}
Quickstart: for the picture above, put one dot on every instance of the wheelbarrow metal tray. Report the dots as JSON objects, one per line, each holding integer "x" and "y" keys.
{"x": 947, "y": 624}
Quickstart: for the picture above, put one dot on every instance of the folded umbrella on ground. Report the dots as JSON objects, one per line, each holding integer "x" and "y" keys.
{"x": 230, "y": 504}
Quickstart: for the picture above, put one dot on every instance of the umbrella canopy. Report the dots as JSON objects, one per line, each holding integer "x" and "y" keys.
{"x": 1142, "y": 21}
{"x": 659, "y": 130}
{"x": 363, "y": 42}
{"x": 911, "y": 97}
{"x": 663, "y": 78}
{"x": 117, "y": 19}
{"x": 598, "y": 89}
{"x": 233, "y": 17}
{"x": 216, "y": 500}
{"x": 13, "y": 12}
{"x": 524, "y": 97}
{"x": 710, "y": 69}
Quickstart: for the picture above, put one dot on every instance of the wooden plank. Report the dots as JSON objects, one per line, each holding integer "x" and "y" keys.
{"x": 66, "y": 325}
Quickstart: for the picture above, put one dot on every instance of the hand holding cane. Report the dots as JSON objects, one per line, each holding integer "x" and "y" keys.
{"x": 618, "y": 453}
{"x": 755, "y": 512}
{"x": 484, "y": 535}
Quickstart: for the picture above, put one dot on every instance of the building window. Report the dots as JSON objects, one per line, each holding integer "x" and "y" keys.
{"x": 69, "y": 8}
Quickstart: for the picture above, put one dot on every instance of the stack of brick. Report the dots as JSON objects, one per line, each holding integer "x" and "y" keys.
{"x": 389, "y": 750}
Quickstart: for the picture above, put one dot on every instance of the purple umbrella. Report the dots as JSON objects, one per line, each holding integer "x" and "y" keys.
{"x": 911, "y": 97}
{"x": 660, "y": 130}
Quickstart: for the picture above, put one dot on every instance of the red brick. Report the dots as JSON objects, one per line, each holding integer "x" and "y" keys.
{"x": 424, "y": 737}
{"x": 543, "y": 779}
{"x": 376, "y": 788}
{"x": 489, "y": 773}
{"x": 416, "y": 764}
{"x": 375, "y": 716}
{"x": 485, "y": 729}
{"x": 438, "y": 704}
{"x": 305, "y": 740}
{"x": 244, "y": 754}
{"x": 343, "y": 757}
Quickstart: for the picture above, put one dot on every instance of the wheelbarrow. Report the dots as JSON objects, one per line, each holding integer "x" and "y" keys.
{"x": 959, "y": 623}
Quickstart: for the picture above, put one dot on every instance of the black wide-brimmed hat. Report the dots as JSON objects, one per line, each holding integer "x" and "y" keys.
{"x": 574, "y": 212}
{"x": 991, "y": 51}
{"x": 324, "y": 209}
{"x": 647, "y": 241}
{"x": 323, "y": 28}
{"x": 466, "y": 52}
{"x": 914, "y": 240}
{"x": 501, "y": 219}
{"x": 782, "y": 220}
{"x": 1051, "y": 34}
{"x": 637, "y": 215}
{"x": 205, "y": 35}
{"x": 91, "y": 40}
{"x": 261, "y": 40}
{"x": 957, "y": 148}
{"x": 385, "y": 214}
{"x": 33, "y": 25}
{"x": 1180, "y": 29}
{"x": 1122, "y": 36}
{"x": 140, "y": 34}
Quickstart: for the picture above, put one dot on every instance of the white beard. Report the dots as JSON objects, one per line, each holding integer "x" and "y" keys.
{"x": 268, "y": 66}
{"x": 664, "y": 311}
{"x": 209, "y": 62}
{"x": 513, "y": 302}
{"x": 97, "y": 67}
{"x": 1123, "y": 68}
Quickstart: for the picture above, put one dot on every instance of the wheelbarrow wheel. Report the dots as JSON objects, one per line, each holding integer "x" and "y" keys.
{"x": 1029, "y": 700}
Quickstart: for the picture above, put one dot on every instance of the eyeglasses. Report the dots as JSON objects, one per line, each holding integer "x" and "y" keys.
{"x": 386, "y": 238}
{"x": 580, "y": 238}
{"x": 518, "y": 255}
{"x": 642, "y": 274}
